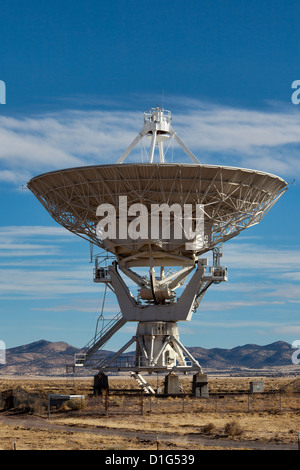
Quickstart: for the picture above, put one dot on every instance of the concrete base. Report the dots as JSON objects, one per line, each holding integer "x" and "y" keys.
{"x": 172, "y": 386}
{"x": 200, "y": 385}
{"x": 100, "y": 384}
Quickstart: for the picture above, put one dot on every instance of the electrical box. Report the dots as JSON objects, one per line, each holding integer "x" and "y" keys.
{"x": 256, "y": 387}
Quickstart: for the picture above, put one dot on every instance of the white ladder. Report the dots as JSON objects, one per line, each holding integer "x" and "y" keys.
{"x": 142, "y": 383}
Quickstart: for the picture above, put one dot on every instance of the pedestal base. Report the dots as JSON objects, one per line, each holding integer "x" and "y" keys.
{"x": 100, "y": 384}
{"x": 200, "y": 385}
{"x": 172, "y": 386}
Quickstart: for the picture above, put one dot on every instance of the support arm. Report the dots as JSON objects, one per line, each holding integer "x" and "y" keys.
{"x": 131, "y": 146}
{"x": 115, "y": 356}
{"x": 184, "y": 147}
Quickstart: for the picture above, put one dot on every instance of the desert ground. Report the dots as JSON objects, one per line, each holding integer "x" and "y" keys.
{"x": 230, "y": 418}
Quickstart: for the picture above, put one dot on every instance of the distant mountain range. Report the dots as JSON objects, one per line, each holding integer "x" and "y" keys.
{"x": 50, "y": 358}
{"x": 249, "y": 356}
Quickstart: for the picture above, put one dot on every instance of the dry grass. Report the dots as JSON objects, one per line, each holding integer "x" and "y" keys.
{"x": 264, "y": 428}
{"x": 255, "y": 426}
{"x": 261, "y": 426}
{"x": 12, "y": 437}
{"x": 84, "y": 385}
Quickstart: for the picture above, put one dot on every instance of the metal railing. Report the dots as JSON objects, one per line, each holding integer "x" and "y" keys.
{"x": 99, "y": 339}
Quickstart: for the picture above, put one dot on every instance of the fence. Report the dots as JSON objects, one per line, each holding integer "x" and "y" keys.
{"x": 140, "y": 403}
{"x": 125, "y": 403}
{"x": 21, "y": 399}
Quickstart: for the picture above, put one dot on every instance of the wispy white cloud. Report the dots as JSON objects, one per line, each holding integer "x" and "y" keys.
{"x": 31, "y": 241}
{"x": 254, "y": 128}
{"x": 30, "y": 283}
{"x": 267, "y": 140}
{"x": 53, "y": 275}
{"x": 222, "y": 305}
{"x": 66, "y": 139}
{"x": 242, "y": 324}
{"x": 293, "y": 330}
{"x": 25, "y": 231}
{"x": 14, "y": 176}
{"x": 262, "y": 258}
{"x": 85, "y": 306}
{"x": 294, "y": 276}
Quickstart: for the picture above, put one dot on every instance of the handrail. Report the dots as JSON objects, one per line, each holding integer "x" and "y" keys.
{"x": 88, "y": 349}
{"x": 102, "y": 332}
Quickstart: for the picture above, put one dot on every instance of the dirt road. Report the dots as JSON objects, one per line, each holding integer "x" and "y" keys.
{"x": 37, "y": 423}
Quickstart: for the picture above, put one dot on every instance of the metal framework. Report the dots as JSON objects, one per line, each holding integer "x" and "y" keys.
{"x": 233, "y": 200}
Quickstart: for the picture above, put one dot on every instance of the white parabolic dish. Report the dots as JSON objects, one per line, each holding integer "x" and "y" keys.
{"x": 233, "y": 198}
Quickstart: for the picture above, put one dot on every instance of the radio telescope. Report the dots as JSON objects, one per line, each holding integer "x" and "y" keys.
{"x": 170, "y": 273}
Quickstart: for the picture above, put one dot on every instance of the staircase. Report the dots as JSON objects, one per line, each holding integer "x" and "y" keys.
{"x": 142, "y": 383}
{"x": 99, "y": 340}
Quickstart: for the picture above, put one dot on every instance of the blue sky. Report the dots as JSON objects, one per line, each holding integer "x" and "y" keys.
{"x": 79, "y": 76}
